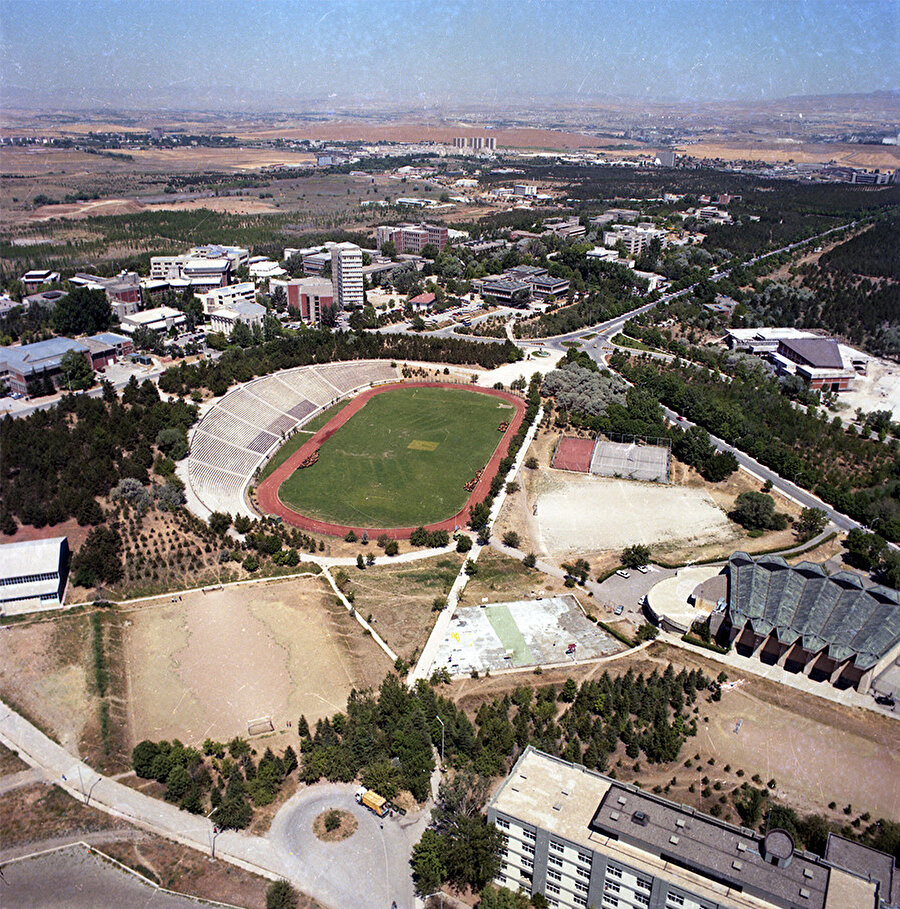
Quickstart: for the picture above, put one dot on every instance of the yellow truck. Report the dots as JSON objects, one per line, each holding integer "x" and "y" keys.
{"x": 370, "y": 799}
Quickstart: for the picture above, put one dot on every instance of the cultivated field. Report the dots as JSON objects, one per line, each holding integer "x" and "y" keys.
{"x": 780, "y": 151}
{"x": 402, "y": 460}
{"x": 208, "y": 664}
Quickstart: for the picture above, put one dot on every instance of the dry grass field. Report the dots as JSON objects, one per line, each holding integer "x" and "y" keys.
{"x": 44, "y": 673}
{"x": 817, "y": 751}
{"x": 782, "y": 151}
{"x": 399, "y": 597}
{"x": 210, "y": 663}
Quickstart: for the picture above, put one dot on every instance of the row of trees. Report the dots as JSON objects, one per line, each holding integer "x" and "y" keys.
{"x": 319, "y": 346}
{"x": 858, "y": 476}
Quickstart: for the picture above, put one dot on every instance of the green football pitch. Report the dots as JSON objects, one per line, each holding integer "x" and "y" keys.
{"x": 402, "y": 460}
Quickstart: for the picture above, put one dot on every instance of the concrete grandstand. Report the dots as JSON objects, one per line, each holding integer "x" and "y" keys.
{"x": 241, "y": 430}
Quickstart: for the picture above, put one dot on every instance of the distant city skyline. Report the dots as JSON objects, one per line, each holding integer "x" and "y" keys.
{"x": 274, "y": 54}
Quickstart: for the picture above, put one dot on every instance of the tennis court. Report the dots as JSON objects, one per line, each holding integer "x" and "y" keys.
{"x": 573, "y": 454}
{"x": 631, "y": 460}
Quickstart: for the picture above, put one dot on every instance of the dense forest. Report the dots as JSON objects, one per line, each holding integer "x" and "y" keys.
{"x": 56, "y": 462}
{"x": 858, "y": 476}
{"x": 874, "y": 253}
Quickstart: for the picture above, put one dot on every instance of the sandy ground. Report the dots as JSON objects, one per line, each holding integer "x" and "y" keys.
{"x": 43, "y": 671}
{"x": 238, "y": 205}
{"x": 580, "y": 513}
{"x": 207, "y": 665}
{"x": 774, "y": 151}
{"x": 879, "y": 389}
{"x": 509, "y": 372}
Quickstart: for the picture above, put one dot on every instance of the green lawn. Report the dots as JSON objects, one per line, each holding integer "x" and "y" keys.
{"x": 300, "y": 438}
{"x": 402, "y": 460}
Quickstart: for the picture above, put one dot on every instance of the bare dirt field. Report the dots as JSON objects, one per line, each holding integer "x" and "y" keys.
{"x": 815, "y": 750}
{"x": 581, "y": 513}
{"x": 44, "y": 674}
{"x": 879, "y": 389}
{"x": 785, "y": 150}
{"x": 400, "y": 597}
{"x": 209, "y": 664}
{"x": 501, "y": 577}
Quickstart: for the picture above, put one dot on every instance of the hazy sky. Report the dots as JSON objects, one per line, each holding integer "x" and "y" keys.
{"x": 186, "y": 53}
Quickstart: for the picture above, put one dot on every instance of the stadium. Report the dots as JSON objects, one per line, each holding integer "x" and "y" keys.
{"x": 391, "y": 456}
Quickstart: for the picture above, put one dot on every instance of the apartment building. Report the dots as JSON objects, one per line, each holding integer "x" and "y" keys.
{"x": 412, "y": 238}
{"x": 475, "y": 143}
{"x": 347, "y": 275}
{"x": 583, "y": 839}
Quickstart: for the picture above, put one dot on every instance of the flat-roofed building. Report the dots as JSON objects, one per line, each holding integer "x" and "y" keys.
{"x": 412, "y": 238}
{"x": 37, "y": 277}
{"x": 21, "y": 367}
{"x": 347, "y": 275}
{"x": 107, "y": 347}
{"x": 583, "y": 839}
{"x": 48, "y": 298}
{"x": 223, "y": 297}
{"x": 614, "y": 215}
{"x": 160, "y": 320}
{"x": 225, "y": 319}
{"x": 544, "y": 286}
{"x": 33, "y": 575}
{"x": 307, "y": 297}
{"x": 123, "y": 291}
{"x": 506, "y": 290}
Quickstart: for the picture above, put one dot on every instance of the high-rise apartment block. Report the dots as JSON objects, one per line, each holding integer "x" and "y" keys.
{"x": 412, "y": 238}
{"x": 475, "y": 143}
{"x": 347, "y": 275}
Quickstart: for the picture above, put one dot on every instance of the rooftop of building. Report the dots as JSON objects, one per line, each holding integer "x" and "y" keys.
{"x": 425, "y": 299}
{"x": 837, "y": 612}
{"x": 768, "y": 334}
{"x": 864, "y": 860}
{"x": 820, "y": 353}
{"x": 40, "y": 353}
{"x": 30, "y": 557}
{"x": 697, "y": 852}
{"x": 154, "y": 315}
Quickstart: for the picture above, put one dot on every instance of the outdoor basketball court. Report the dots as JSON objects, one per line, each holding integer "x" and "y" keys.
{"x": 521, "y": 633}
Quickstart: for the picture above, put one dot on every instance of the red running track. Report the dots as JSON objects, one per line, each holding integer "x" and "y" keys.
{"x": 267, "y": 491}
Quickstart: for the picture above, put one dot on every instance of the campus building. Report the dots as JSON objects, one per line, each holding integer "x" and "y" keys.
{"x": 307, "y": 297}
{"x": 583, "y": 839}
{"x": 123, "y": 291}
{"x": 475, "y": 143}
{"x": 38, "y": 277}
{"x": 22, "y": 366}
{"x": 161, "y": 319}
{"x": 226, "y": 318}
{"x": 347, "y": 275}
{"x": 412, "y": 238}
{"x": 33, "y": 575}
{"x": 831, "y": 628}
{"x": 223, "y": 297}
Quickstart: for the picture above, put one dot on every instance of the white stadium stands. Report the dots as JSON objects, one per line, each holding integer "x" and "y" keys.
{"x": 241, "y": 430}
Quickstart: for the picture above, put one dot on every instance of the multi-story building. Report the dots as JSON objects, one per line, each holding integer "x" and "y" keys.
{"x": 308, "y": 297}
{"x": 193, "y": 270}
{"x": 38, "y": 277}
{"x": 583, "y": 839}
{"x": 525, "y": 189}
{"x": 161, "y": 319}
{"x": 412, "y": 238}
{"x": 475, "y": 143}
{"x": 225, "y": 319}
{"x": 223, "y": 297}
{"x": 21, "y": 367}
{"x": 123, "y": 291}
{"x": 507, "y": 290}
{"x": 33, "y": 575}
{"x": 347, "y": 275}
{"x": 636, "y": 239}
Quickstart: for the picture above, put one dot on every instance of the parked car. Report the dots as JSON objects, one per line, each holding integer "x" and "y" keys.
{"x": 643, "y": 569}
{"x": 622, "y": 573}
{"x": 884, "y": 699}
{"x": 620, "y": 609}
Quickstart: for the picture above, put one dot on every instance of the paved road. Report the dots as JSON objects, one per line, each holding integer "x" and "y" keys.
{"x": 369, "y": 868}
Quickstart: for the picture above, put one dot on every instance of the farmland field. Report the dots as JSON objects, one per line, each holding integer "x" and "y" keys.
{"x": 402, "y": 460}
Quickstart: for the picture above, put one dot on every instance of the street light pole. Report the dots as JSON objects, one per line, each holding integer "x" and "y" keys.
{"x": 442, "y": 738}
{"x": 213, "y": 833}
